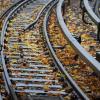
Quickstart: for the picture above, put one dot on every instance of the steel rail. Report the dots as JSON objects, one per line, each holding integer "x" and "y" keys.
{"x": 10, "y": 8}
{"x": 58, "y": 63}
{"x": 95, "y": 65}
{"x": 2, "y": 43}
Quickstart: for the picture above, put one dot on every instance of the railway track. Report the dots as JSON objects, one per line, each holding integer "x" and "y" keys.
{"x": 79, "y": 70}
{"x": 30, "y": 68}
{"x": 36, "y": 68}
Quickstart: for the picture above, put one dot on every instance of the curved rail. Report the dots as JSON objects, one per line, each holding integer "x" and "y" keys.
{"x": 2, "y": 43}
{"x": 10, "y": 8}
{"x": 95, "y": 65}
{"x": 59, "y": 64}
